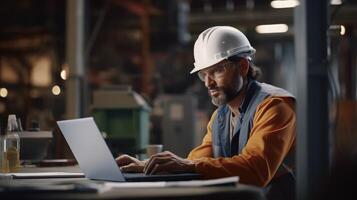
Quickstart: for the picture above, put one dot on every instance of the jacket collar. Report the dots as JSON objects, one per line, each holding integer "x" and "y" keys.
{"x": 251, "y": 90}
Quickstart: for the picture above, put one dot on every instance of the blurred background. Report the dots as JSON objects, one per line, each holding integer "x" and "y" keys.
{"x": 133, "y": 59}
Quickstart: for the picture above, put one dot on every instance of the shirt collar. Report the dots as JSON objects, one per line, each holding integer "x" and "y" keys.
{"x": 251, "y": 88}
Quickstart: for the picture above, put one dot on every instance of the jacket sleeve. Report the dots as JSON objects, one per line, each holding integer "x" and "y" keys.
{"x": 271, "y": 138}
{"x": 205, "y": 149}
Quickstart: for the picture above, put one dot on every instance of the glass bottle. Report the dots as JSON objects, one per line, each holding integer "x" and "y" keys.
{"x": 12, "y": 144}
{"x": 4, "y": 163}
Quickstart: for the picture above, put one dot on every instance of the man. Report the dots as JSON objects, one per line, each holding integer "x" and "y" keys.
{"x": 252, "y": 132}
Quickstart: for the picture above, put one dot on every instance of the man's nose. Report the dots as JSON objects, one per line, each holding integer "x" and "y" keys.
{"x": 209, "y": 82}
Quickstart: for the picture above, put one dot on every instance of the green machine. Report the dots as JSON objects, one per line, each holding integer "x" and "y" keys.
{"x": 122, "y": 116}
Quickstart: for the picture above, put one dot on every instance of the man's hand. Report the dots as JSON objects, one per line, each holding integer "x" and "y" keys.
{"x": 167, "y": 162}
{"x": 130, "y": 164}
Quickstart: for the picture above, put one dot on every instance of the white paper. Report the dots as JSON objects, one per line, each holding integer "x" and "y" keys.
{"x": 46, "y": 174}
{"x": 197, "y": 183}
{"x": 160, "y": 184}
{"x": 157, "y": 184}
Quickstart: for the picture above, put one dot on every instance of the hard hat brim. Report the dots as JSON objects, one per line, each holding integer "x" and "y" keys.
{"x": 207, "y": 65}
{"x": 199, "y": 68}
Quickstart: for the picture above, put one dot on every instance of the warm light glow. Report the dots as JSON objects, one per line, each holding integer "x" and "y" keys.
{"x": 8, "y": 72}
{"x": 64, "y": 74}
{"x": 41, "y": 74}
{"x": 284, "y": 3}
{"x": 272, "y": 28}
{"x": 3, "y": 92}
{"x": 56, "y": 90}
{"x": 336, "y": 2}
{"x": 343, "y": 30}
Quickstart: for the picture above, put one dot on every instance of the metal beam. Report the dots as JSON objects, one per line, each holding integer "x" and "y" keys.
{"x": 310, "y": 20}
{"x": 75, "y": 57}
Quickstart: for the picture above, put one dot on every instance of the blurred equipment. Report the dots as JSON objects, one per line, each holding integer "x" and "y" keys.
{"x": 34, "y": 145}
{"x": 32, "y": 148}
{"x": 179, "y": 123}
{"x": 122, "y": 116}
{"x": 218, "y": 43}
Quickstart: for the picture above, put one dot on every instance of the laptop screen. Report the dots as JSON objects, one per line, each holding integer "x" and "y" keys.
{"x": 90, "y": 149}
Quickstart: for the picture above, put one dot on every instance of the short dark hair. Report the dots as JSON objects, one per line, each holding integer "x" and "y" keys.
{"x": 254, "y": 72}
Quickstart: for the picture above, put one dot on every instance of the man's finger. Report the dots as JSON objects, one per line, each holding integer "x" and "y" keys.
{"x": 152, "y": 160}
{"x": 163, "y": 154}
{"x": 155, "y": 160}
{"x": 124, "y": 160}
{"x": 154, "y": 169}
{"x": 131, "y": 168}
{"x": 166, "y": 167}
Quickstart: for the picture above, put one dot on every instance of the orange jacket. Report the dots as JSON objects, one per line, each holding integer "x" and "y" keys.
{"x": 272, "y": 137}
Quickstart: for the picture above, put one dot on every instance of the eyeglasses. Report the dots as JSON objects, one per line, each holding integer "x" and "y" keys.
{"x": 214, "y": 73}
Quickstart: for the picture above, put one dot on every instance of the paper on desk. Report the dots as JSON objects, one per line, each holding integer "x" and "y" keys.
{"x": 195, "y": 183}
{"x": 47, "y": 175}
{"x": 210, "y": 182}
{"x": 60, "y": 187}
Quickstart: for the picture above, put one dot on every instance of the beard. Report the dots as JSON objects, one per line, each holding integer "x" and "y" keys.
{"x": 225, "y": 94}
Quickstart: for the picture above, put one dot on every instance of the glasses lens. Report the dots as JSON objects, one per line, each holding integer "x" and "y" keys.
{"x": 201, "y": 76}
{"x": 215, "y": 73}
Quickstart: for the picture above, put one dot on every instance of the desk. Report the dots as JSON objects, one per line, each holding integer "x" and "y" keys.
{"x": 241, "y": 192}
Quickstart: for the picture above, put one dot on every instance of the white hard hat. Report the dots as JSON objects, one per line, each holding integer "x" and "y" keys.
{"x": 218, "y": 43}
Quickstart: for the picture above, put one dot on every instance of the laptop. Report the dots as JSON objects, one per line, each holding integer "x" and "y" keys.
{"x": 95, "y": 159}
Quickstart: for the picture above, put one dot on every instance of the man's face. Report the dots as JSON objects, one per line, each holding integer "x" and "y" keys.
{"x": 223, "y": 81}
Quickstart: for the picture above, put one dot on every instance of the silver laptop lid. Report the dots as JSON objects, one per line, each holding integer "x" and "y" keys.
{"x": 90, "y": 150}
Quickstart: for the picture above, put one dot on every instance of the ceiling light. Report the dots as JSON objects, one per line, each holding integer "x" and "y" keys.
{"x": 284, "y": 3}
{"x": 3, "y": 92}
{"x": 342, "y": 30}
{"x": 336, "y": 2}
{"x": 64, "y": 74}
{"x": 272, "y": 28}
{"x": 56, "y": 90}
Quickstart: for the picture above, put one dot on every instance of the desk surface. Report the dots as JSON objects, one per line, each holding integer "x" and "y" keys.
{"x": 223, "y": 192}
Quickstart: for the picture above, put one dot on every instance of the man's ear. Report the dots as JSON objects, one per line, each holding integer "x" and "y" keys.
{"x": 243, "y": 67}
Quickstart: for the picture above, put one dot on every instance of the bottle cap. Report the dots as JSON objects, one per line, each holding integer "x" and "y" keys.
{"x": 12, "y": 123}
